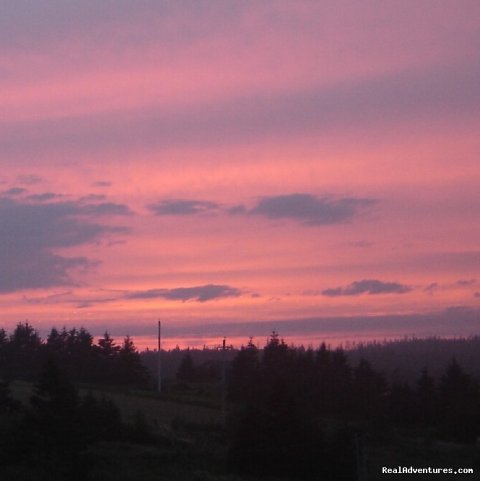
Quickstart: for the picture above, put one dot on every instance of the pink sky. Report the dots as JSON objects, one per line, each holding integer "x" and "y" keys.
{"x": 235, "y": 167}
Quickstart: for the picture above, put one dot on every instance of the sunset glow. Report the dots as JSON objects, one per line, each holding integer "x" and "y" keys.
{"x": 237, "y": 167}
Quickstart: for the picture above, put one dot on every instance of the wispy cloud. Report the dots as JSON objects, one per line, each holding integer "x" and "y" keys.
{"x": 29, "y": 179}
{"x": 367, "y": 286}
{"x": 366, "y": 104}
{"x": 106, "y": 208}
{"x": 13, "y": 191}
{"x": 182, "y": 207}
{"x": 204, "y": 293}
{"x": 45, "y": 196}
{"x": 431, "y": 288}
{"x": 102, "y": 183}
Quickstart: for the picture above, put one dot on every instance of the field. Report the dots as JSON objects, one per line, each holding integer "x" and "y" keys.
{"x": 190, "y": 439}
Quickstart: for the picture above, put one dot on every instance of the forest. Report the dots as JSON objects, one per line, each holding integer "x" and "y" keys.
{"x": 73, "y": 408}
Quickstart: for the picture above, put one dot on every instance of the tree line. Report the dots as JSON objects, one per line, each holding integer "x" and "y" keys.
{"x": 290, "y": 412}
{"x": 307, "y": 414}
{"x": 23, "y": 353}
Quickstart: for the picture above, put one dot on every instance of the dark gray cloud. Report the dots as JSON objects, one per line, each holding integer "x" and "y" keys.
{"x": 367, "y": 286}
{"x": 182, "y": 207}
{"x": 237, "y": 210}
{"x": 466, "y": 282}
{"x": 311, "y": 210}
{"x": 204, "y": 293}
{"x": 301, "y": 207}
{"x": 30, "y": 235}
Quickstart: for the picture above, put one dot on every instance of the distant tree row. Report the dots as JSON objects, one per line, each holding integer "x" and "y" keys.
{"x": 401, "y": 358}
{"x": 23, "y": 352}
{"x": 302, "y": 412}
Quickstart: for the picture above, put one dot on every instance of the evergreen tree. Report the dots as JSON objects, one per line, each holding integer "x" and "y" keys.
{"x": 23, "y": 349}
{"x": 107, "y": 347}
{"x": 54, "y": 442}
{"x": 459, "y": 404}
{"x": 427, "y": 403}
{"x": 130, "y": 369}
{"x": 243, "y": 377}
{"x": 8, "y": 404}
{"x": 186, "y": 370}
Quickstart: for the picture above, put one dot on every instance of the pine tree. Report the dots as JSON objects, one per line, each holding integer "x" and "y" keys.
{"x": 186, "y": 370}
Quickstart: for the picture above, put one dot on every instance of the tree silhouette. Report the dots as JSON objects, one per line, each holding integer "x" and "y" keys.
{"x": 23, "y": 348}
{"x": 244, "y": 373}
{"x": 186, "y": 370}
{"x": 459, "y": 404}
{"x": 54, "y": 442}
{"x": 427, "y": 402}
{"x": 130, "y": 369}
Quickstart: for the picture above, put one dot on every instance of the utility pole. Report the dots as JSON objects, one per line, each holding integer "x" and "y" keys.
{"x": 159, "y": 357}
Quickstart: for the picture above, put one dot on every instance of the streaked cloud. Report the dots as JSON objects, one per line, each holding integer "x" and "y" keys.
{"x": 431, "y": 288}
{"x": 45, "y": 196}
{"x": 13, "y": 191}
{"x": 367, "y": 286}
{"x": 182, "y": 207}
{"x": 289, "y": 147}
{"x": 204, "y": 293}
{"x": 102, "y": 183}
{"x": 106, "y": 208}
{"x": 451, "y": 321}
{"x": 29, "y": 179}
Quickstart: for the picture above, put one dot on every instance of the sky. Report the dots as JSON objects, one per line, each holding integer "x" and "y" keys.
{"x": 233, "y": 167}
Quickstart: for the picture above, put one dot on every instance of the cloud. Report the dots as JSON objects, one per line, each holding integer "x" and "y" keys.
{"x": 431, "y": 288}
{"x": 31, "y": 234}
{"x": 301, "y": 207}
{"x": 102, "y": 183}
{"x": 182, "y": 207}
{"x": 204, "y": 293}
{"x": 453, "y": 321}
{"x": 466, "y": 282}
{"x": 311, "y": 210}
{"x": 237, "y": 210}
{"x": 106, "y": 208}
{"x": 357, "y": 106}
{"x": 29, "y": 179}
{"x": 367, "y": 286}
{"x": 43, "y": 197}
{"x": 14, "y": 191}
